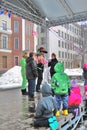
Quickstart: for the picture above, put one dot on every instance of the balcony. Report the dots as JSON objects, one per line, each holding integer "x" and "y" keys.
{"x": 5, "y": 30}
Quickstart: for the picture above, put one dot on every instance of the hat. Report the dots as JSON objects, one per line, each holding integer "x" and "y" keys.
{"x": 41, "y": 49}
{"x": 85, "y": 66}
{"x": 31, "y": 54}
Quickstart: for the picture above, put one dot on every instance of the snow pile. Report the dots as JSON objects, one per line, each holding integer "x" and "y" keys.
{"x": 74, "y": 72}
{"x": 12, "y": 78}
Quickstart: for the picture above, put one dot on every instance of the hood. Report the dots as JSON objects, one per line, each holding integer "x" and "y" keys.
{"x": 59, "y": 67}
{"x": 46, "y": 90}
{"x": 29, "y": 59}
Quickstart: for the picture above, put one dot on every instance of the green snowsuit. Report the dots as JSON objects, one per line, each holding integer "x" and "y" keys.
{"x": 60, "y": 80}
{"x": 23, "y": 73}
{"x": 60, "y": 86}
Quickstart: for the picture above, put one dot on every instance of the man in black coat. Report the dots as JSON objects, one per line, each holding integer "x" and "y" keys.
{"x": 31, "y": 74}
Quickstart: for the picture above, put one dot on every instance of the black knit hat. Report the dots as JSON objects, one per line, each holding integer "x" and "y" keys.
{"x": 31, "y": 54}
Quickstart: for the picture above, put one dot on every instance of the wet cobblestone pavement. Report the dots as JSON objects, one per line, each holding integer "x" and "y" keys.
{"x": 14, "y": 114}
{"x": 14, "y": 110}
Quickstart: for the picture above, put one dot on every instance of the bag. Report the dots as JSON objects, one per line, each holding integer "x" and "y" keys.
{"x": 53, "y": 123}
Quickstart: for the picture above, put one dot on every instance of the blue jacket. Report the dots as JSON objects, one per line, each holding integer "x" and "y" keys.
{"x": 46, "y": 105}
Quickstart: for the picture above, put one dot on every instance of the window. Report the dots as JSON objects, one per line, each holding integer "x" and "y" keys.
{"x": 16, "y": 26}
{"x": 27, "y": 29}
{"x": 4, "y": 61}
{"x": 42, "y": 30}
{"x": 59, "y": 32}
{"x": 4, "y": 25}
{"x": 42, "y": 40}
{"x": 27, "y": 45}
{"x": 16, "y": 43}
{"x": 59, "y": 43}
{"x": 62, "y": 54}
{"x": 65, "y": 45}
{"x": 62, "y": 44}
{"x": 59, "y": 54}
{"x": 4, "y": 41}
{"x": 16, "y": 60}
{"x": 65, "y": 54}
{"x": 62, "y": 34}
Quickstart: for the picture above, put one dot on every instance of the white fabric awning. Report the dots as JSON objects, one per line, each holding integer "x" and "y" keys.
{"x": 48, "y": 12}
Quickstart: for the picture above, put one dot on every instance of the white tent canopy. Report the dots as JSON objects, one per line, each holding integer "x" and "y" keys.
{"x": 48, "y": 12}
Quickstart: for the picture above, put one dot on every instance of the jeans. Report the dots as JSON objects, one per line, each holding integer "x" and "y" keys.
{"x": 62, "y": 99}
{"x": 31, "y": 87}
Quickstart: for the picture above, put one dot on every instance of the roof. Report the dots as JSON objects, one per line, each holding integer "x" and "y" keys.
{"x": 48, "y": 12}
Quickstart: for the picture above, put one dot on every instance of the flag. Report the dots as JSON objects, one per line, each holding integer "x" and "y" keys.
{"x": 9, "y": 14}
{"x": 1, "y": 12}
{"x": 34, "y": 33}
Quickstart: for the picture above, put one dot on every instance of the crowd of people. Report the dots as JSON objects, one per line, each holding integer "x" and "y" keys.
{"x": 60, "y": 91}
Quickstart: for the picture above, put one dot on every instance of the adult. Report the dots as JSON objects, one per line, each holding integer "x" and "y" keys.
{"x": 31, "y": 74}
{"x": 85, "y": 73}
{"x": 23, "y": 72}
{"x": 52, "y": 63}
{"x": 40, "y": 67}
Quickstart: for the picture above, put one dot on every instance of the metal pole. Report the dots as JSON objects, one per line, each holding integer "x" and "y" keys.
{"x": 83, "y": 45}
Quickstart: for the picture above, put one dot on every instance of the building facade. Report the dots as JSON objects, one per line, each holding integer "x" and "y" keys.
{"x": 15, "y": 37}
{"x": 65, "y": 41}
{"x": 5, "y": 43}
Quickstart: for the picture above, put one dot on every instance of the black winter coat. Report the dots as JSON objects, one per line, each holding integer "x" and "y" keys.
{"x": 31, "y": 68}
{"x": 51, "y": 64}
{"x": 85, "y": 73}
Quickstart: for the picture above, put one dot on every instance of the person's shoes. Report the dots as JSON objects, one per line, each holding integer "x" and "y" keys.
{"x": 24, "y": 92}
{"x": 32, "y": 124}
{"x": 65, "y": 112}
{"x": 38, "y": 91}
{"x": 57, "y": 113}
{"x": 31, "y": 99}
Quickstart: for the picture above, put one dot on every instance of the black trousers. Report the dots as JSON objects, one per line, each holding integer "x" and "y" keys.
{"x": 41, "y": 122}
{"x": 39, "y": 80}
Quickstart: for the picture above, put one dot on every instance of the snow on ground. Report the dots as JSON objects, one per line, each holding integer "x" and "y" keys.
{"x": 74, "y": 72}
{"x": 11, "y": 79}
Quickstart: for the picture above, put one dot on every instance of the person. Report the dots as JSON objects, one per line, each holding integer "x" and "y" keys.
{"x": 31, "y": 74}
{"x": 75, "y": 98}
{"x": 23, "y": 72}
{"x": 40, "y": 67}
{"x": 60, "y": 83}
{"x": 46, "y": 108}
{"x": 85, "y": 82}
{"x": 85, "y": 73}
{"x": 52, "y": 63}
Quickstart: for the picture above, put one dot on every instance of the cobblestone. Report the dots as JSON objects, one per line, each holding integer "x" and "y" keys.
{"x": 14, "y": 114}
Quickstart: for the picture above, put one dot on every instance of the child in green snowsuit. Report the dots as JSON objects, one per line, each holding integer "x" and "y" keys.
{"x": 60, "y": 85}
{"x": 23, "y": 72}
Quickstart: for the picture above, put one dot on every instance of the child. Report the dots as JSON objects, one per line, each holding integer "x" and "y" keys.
{"x": 60, "y": 85}
{"x": 75, "y": 98}
{"x": 46, "y": 109}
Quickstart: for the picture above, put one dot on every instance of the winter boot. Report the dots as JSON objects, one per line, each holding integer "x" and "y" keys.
{"x": 65, "y": 112}
{"x": 57, "y": 113}
{"x": 24, "y": 92}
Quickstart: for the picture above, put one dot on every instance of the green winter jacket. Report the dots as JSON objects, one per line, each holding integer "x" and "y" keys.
{"x": 60, "y": 81}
